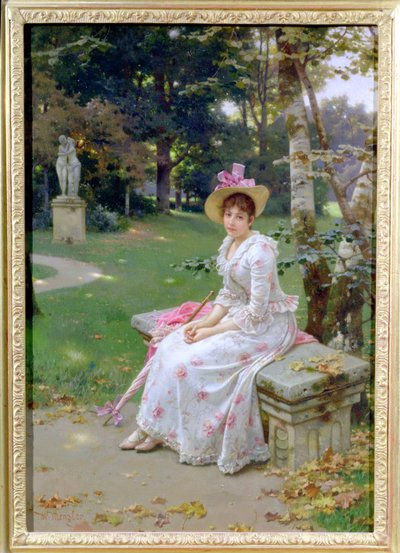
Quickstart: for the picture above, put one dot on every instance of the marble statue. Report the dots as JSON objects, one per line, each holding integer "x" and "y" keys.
{"x": 68, "y": 167}
{"x": 73, "y": 168}
{"x": 61, "y": 165}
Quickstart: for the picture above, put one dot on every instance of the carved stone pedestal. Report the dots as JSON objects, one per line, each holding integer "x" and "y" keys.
{"x": 69, "y": 219}
{"x": 309, "y": 411}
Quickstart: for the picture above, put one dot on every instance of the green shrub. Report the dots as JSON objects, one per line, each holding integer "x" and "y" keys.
{"x": 100, "y": 219}
{"x": 142, "y": 205}
{"x": 42, "y": 220}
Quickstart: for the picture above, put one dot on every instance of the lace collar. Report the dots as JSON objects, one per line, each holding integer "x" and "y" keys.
{"x": 223, "y": 262}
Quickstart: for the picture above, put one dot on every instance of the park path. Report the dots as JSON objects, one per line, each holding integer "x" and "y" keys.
{"x": 74, "y": 455}
{"x": 69, "y": 273}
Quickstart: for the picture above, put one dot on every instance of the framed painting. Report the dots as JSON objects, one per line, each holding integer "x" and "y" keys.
{"x": 137, "y": 136}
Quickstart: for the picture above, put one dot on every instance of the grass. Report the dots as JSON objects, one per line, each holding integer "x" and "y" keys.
{"x": 41, "y": 272}
{"x": 359, "y": 517}
{"x": 83, "y": 345}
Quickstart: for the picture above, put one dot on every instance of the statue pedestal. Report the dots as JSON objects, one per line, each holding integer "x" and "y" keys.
{"x": 69, "y": 221}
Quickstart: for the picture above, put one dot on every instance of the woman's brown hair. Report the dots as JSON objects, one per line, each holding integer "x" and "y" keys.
{"x": 242, "y": 202}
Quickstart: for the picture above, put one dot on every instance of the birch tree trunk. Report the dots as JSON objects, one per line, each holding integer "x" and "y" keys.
{"x": 345, "y": 322}
{"x": 315, "y": 275}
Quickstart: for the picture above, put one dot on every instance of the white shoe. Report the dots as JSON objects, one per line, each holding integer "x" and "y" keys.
{"x": 133, "y": 440}
{"x": 148, "y": 444}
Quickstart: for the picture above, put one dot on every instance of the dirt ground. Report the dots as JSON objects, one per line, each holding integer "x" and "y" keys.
{"x": 82, "y": 481}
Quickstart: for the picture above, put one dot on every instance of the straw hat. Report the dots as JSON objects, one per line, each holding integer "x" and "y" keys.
{"x": 234, "y": 184}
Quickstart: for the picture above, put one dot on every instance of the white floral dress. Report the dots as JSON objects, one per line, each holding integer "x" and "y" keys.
{"x": 201, "y": 398}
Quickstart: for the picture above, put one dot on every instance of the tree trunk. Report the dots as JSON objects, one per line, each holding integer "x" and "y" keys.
{"x": 263, "y": 138}
{"x": 316, "y": 279}
{"x": 178, "y": 199}
{"x": 315, "y": 275}
{"x": 46, "y": 188}
{"x": 163, "y": 176}
{"x": 127, "y": 200}
{"x": 345, "y": 322}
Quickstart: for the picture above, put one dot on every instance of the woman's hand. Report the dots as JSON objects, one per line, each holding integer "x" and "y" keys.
{"x": 196, "y": 332}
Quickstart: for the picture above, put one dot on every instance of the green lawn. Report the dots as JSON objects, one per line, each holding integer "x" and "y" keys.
{"x": 41, "y": 272}
{"x": 83, "y": 345}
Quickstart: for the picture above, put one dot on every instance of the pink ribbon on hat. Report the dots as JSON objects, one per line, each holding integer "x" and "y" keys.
{"x": 229, "y": 180}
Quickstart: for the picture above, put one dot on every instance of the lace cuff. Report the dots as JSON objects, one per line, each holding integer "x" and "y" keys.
{"x": 251, "y": 323}
{"x": 226, "y": 298}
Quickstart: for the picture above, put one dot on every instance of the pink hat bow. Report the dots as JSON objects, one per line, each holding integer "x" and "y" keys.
{"x": 234, "y": 179}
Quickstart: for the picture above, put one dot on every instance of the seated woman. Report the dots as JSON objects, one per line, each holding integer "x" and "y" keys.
{"x": 200, "y": 395}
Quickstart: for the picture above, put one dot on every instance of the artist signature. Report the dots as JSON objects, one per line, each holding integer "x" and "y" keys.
{"x": 67, "y": 516}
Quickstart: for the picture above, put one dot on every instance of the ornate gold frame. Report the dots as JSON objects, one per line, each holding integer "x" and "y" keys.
{"x": 16, "y": 13}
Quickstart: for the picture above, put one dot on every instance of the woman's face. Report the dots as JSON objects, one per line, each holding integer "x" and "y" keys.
{"x": 237, "y": 223}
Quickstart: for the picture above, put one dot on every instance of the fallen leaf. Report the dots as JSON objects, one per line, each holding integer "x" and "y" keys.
{"x": 329, "y": 368}
{"x": 113, "y": 520}
{"x": 43, "y": 468}
{"x": 312, "y": 490}
{"x": 269, "y": 517}
{"x": 279, "y": 357}
{"x": 79, "y": 419}
{"x": 240, "y": 527}
{"x": 98, "y": 336}
{"x": 57, "y": 502}
{"x": 297, "y": 365}
{"x": 159, "y": 500}
{"x": 328, "y": 485}
{"x": 126, "y": 369}
{"x": 305, "y": 527}
{"x": 99, "y": 493}
{"x": 193, "y": 509}
{"x": 267, "y": 493}
{"x": 162, "y": 520}
{"x": 344, "y": 500}
{"x": 326, "y": 504}
{"x": 102, "y": 380}
{"x": 63, "y": 399}
{"x": 315, "y": 359}
{"x": 83, "y": 526}
{"x": 140, "y": 511}
{"x": 286, "y": 519}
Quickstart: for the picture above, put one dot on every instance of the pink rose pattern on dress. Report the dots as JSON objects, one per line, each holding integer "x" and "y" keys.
{"x": 238, "y": 399}
{"x": 158, "y": 412}
{"x": 208, "y": 428}
{"x": 201, "y": 397}
{"x": 245, "y": 357}
{"x": 262, "y": 346}
{"x": 181, "y": 372}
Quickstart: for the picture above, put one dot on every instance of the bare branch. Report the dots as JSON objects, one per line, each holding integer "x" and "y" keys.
{"x": 354, "y": 179}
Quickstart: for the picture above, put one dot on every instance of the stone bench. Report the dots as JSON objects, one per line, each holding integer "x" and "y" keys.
{"x": 307, "y": 411}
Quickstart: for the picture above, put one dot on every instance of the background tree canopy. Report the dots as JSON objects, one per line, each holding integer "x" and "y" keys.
{"x": 174, "y": 105}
